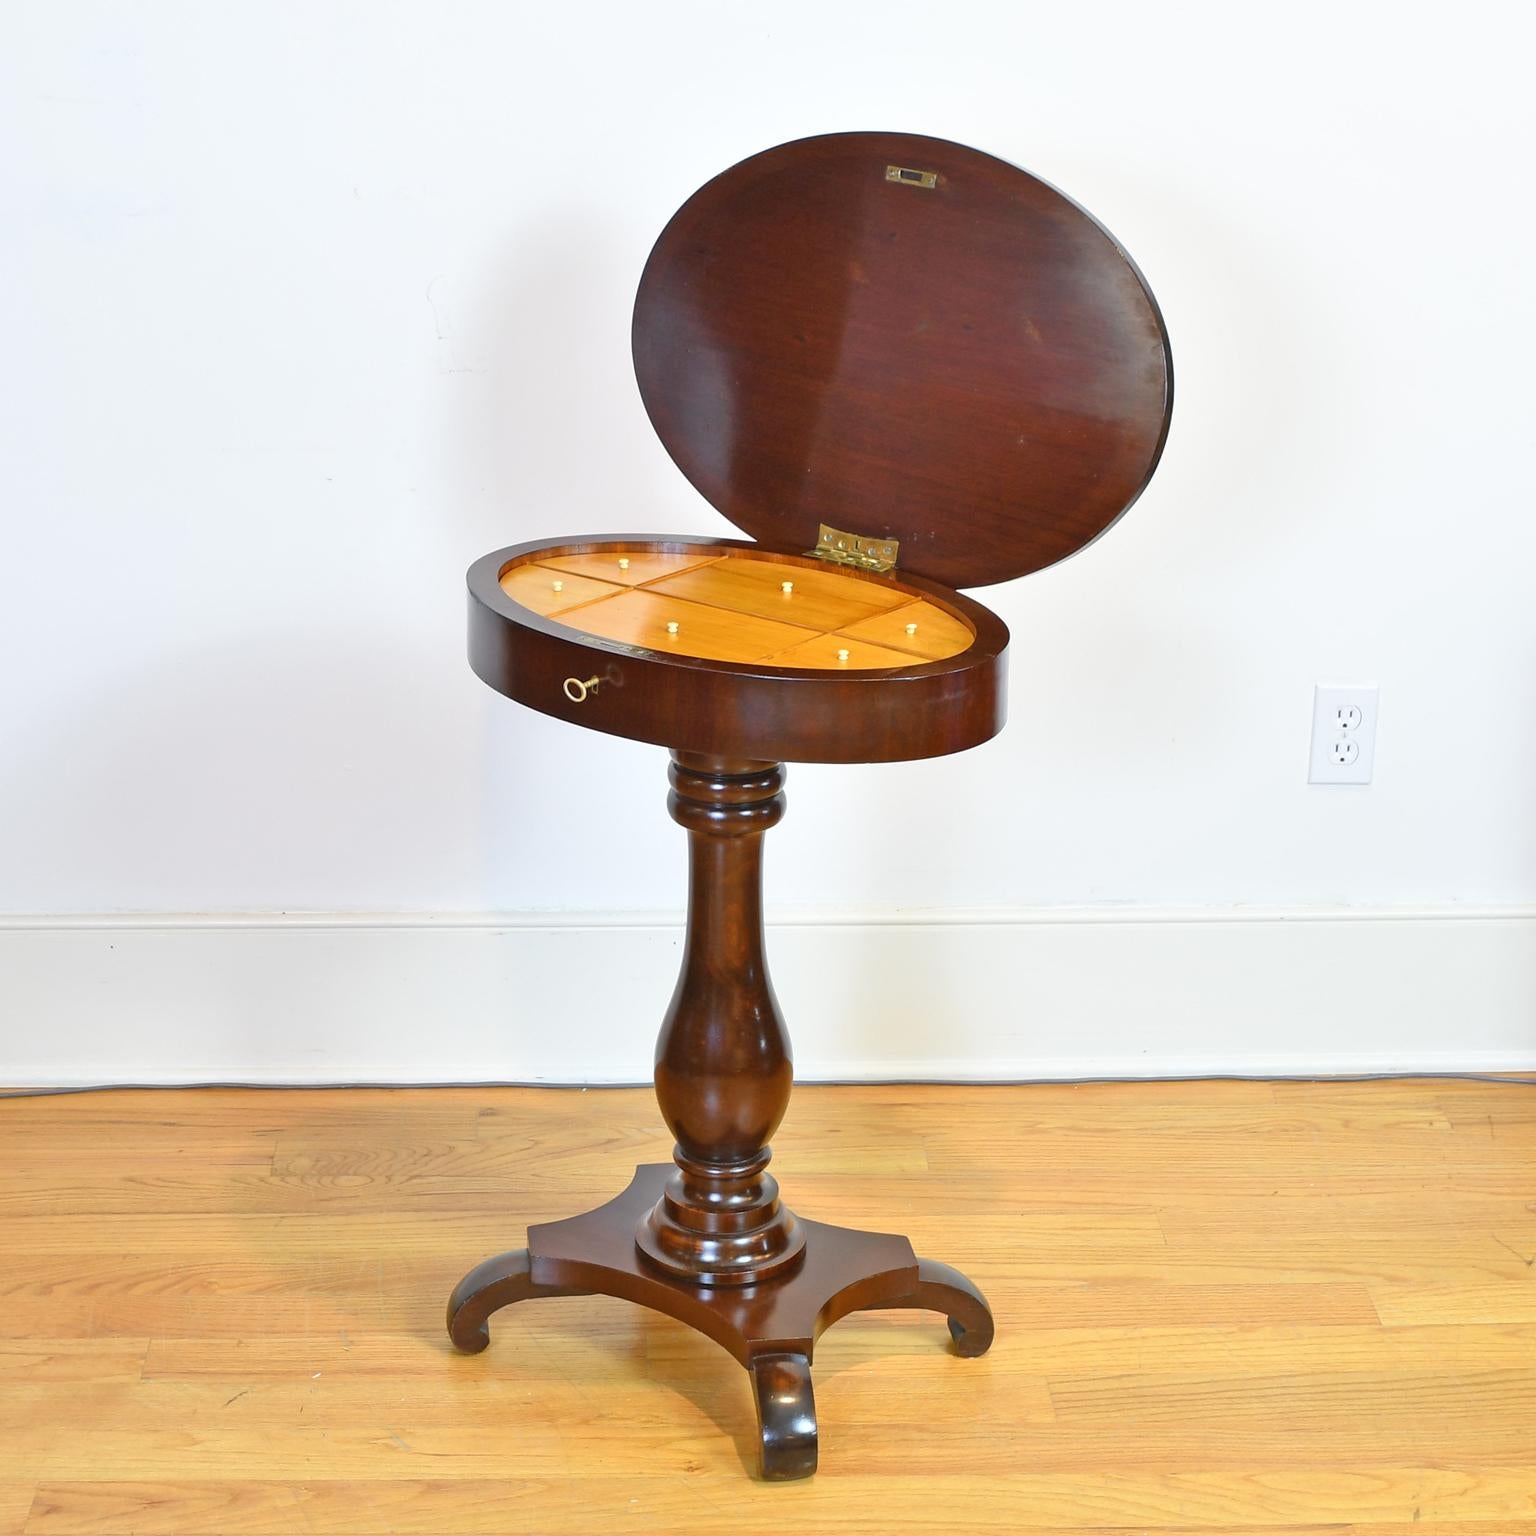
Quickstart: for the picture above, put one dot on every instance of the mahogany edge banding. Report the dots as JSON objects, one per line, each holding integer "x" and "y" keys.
{"x": 787, "y": 714}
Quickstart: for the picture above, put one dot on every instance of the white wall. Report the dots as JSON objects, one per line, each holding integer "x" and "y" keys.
{"x": 303, "y": 307}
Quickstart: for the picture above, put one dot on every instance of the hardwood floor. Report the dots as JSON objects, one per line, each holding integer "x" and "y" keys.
{"x": 1221, "y": 1307}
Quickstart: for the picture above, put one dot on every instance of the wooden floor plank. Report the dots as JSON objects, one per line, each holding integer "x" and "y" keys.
{"x": 1223, "y": 1307}
{"x": 1208, "y": 1351}
{"x": 16, "y": 1501}
{"x": 1489, "y": 1302}
{"x": 694, "y": 1504}
{"x": 1444, "y": 1213}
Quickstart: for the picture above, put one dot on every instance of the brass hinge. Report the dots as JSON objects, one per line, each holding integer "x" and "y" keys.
{"x": 869, "y": 554}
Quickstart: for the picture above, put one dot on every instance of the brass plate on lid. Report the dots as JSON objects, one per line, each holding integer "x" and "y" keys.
{"x": 910, "y": 177}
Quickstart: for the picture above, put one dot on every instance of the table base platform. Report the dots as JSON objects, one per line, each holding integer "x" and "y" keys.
{"x": 770, "y": 1326}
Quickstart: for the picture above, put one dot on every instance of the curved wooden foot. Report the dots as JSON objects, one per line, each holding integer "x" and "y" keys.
{"x": 786, "y": 1414}
{"x": 488, "y": 1287}
{"x": 942, "y": 1289}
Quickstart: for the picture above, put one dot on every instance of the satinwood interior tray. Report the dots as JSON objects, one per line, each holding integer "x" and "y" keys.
{"x": 739, "y": 605}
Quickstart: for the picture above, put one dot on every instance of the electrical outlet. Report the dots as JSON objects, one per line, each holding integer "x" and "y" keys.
{"x": 1343, "y": 735}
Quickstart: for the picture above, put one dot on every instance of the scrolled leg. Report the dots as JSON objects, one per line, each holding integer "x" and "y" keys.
{"x": 942, "y": 1289}
{"x": 786, "y": 1415}
{"x": 488, "y": 1287}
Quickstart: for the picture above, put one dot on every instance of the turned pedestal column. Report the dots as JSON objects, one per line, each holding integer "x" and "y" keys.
{"x": 707, "y": 1239}
{"x": 723, "y": 1070}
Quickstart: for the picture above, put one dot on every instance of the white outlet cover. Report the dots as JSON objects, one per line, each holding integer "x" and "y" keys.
{"x": 1333, "y": 721}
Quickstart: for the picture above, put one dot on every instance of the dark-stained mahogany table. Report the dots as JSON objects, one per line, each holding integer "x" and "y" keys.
{"x": 902, "y": 366}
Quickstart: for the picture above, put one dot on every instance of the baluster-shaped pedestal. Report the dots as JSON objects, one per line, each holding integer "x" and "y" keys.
{"x": 708, "y": 1240}
{"x": 723, "y": 1072}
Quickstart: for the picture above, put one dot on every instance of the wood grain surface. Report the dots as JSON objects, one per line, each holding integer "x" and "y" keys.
{"x": 1222, "y": 1307}
{"x": 972, "y": 367}
{"x": 741, "y": 607}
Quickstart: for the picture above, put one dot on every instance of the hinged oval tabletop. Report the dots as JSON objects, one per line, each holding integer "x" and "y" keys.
{"x": 867, "y": 340}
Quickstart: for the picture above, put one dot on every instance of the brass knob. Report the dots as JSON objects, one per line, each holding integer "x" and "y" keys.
{"x": 576, "y": 690}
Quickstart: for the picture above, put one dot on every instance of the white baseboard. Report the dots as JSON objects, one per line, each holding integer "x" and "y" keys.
{"x": 565, "y": 998}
